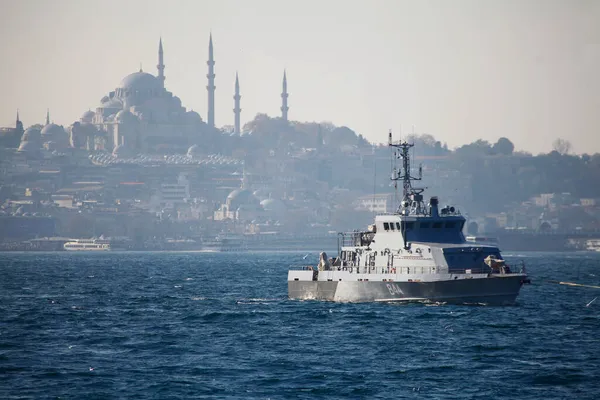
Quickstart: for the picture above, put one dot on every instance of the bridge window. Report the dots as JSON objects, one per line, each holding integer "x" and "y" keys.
{"x": 386, "y": 226}
{"x": 437, "y": 225}
{"x": 398, "y": 225}
{"x": 392, "y": 226}
{"x": 451, "y": 225}
{"x": 424, "y": 225}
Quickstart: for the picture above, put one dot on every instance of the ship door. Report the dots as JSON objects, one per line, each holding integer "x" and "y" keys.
{"x": 371, "y": 259}
{"x": 348, "y": 258}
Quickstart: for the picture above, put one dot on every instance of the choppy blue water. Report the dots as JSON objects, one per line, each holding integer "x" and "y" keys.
{"x": 201, "y": 325}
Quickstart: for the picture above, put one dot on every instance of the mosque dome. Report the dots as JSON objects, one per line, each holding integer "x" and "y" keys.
{"x": 235, "y": 194}
{"x": 194, "y": 151}
{"x": 112, "y": 103}
{"x": 125, "y": 116}
{"x": 122, "y": 151}
{"x": 88, "y": 116}
{"x": 176, "y": 102}
{"x": 52, "y": 129}
{"x": 31, "y": 135}
{"x": 261, "y": 194}
{"x": 274, "y": 206}
{"x": 239, "y": 197}
{"x": 192, "y": 118}
{"x": 140, "y": 81}
{"x": 28, "y": 147}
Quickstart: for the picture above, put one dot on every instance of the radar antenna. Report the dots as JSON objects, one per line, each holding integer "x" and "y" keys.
{"x": 411, "y": 197}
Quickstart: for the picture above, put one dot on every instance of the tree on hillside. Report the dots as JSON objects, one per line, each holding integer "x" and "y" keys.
{"x": 427, "y": 145}
{"x": 503, "y": 146}
{"x": 341, "y": 136}
{"x": 477, "y": 148}
{"x": 561, "y": 146}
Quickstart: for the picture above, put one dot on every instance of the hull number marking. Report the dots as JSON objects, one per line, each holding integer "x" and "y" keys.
{"x": 394, "y": 289}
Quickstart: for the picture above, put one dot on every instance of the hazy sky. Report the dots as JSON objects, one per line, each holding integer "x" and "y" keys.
{"x": 460, "y": 70}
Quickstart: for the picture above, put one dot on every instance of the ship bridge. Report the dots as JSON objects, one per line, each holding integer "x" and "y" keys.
{"x": 430, "y": 227}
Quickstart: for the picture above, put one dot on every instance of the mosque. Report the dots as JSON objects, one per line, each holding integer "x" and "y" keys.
{"x": 141, "y": 116}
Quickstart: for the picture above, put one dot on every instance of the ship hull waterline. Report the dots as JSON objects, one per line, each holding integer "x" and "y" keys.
{"x": 495, "y": 290}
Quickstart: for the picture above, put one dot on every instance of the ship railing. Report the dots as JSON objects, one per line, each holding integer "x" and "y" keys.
{"x": 407, "y": 270}
{"x": 447, "y": 213}
{"x": 302, "y": 268}
{"x": 470, "y": 271}
{"x": 354, "y": 239}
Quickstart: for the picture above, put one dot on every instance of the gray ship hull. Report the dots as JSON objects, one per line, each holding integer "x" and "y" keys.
{"x": 495, "y": 290}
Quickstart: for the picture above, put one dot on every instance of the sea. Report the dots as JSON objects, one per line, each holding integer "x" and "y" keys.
{"x": 192, "y": 325}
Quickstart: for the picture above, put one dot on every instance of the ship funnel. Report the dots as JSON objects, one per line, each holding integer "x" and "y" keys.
{"x": 433, "y": 205}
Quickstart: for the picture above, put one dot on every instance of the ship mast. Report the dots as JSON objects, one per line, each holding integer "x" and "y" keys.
{"x": 411, "y": 197}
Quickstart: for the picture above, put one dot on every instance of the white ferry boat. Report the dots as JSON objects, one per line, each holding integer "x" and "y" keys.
{"x": 93, "y": 244}
{"x": 483, "y": 240}
{"x": 593, "y": 244}
{"x": 224, "y": 242}
{"x": 418, "y": 253}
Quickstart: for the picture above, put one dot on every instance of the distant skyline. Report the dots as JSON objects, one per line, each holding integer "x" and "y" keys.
{"x": 459, "y": 70}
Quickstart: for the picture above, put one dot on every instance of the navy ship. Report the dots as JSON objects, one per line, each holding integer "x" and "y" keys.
{"x": 417, "y": 253}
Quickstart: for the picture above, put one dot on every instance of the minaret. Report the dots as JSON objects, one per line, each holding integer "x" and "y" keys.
{"x": 211, "y": 84}
{"x": 284, "y": 97}
{"x": 236, "y": 106}
{"x": 161, "y": 64}
{"x": 19, "y": 124}
{"x": 47, "y": 116}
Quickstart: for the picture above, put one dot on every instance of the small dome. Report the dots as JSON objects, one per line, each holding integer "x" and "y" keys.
{"x": 28, "y": 147}
{"x": 192, "y": 118}
{"x": 88, "y": 116}
{"x": 112, "y": 104}
{"x": 140, "y": 81}
{"x": 274, "y": 206}
{"x": 261, "y": 194}
{"x": 125, "y": 116}
{"x": 52, "y": 129}
{"x": 176, "y": 102}
{"x": 194, "y": 151}
{"x": 239, "y": 197}
{"x": 122, "y": 151}
{"x": 31, "y": 135}
{"x": 235, "y": 194}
